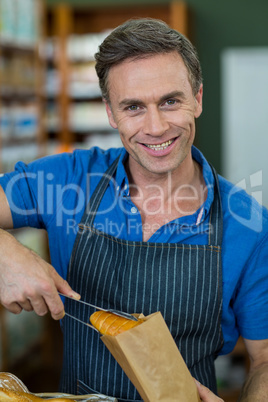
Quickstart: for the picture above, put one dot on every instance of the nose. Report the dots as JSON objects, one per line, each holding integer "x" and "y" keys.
{"x": 155, "y": 123}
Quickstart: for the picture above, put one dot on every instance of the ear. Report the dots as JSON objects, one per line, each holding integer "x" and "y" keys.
{"x": 110, "y": 114}
{"x": 199, "y": 101}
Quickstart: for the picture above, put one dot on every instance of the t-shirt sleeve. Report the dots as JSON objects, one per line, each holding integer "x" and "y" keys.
{"x": 251, "y": 302}
{"x": 34, "y": 190}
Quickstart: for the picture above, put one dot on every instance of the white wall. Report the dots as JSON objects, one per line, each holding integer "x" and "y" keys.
{"x": 245, "y": 119}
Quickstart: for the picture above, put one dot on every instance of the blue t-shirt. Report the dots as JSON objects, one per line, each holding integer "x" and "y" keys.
{"x": 52, "y": 193}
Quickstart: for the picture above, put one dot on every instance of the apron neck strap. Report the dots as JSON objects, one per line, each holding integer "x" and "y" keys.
{"x": 216, "y": 219}
{"x": 95, "y": 200}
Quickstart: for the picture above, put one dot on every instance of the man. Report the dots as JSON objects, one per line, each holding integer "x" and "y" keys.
{"x": 161, "y": 232}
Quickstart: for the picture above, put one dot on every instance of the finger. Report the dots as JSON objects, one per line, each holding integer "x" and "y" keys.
{"x": 54, "y": 303}
{"x": 49, "y": 291}
{"x": 39, "y": 305}
{"x": 26, "y": 305}
{"x": 64, "y": 288}
{"x": 206, "y": 395}
{"x": 14, "y": 308}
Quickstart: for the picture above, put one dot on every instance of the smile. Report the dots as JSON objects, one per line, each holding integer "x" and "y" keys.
{"x": 159, "y": 147}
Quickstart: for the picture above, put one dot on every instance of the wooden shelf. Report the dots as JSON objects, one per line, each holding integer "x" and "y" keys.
{"x": 21, "y": 77}
{"x": 11, "y": 47}
{"x": 21, "y": 84}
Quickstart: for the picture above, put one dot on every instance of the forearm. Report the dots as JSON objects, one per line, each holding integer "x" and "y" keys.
{"x": 256, "y": 386}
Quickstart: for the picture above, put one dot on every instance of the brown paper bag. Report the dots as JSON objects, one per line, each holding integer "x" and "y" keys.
{"x": 151, "y": 360}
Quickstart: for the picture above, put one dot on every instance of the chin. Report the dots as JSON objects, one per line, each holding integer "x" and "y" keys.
{"x": 159, "y": 169}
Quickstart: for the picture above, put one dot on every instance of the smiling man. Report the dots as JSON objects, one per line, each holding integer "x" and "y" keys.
{"x": 156, "y": 229}
{"x": 152, "y": 105}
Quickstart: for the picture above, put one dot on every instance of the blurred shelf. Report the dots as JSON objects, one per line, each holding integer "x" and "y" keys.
{"x": 13, "y": 93}
{"x": 11, "y": 47}
{"x": 21, "y": 79}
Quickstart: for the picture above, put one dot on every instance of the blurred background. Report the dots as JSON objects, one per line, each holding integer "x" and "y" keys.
{"x": 50, "y": 102}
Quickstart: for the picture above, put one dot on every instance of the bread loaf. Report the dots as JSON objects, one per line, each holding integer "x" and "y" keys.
{"x": 11, "y": 382}
{"x": 13, "y": 389}
{"x": 7, "y": 395}
{"x": 17, "y": 396}
{"x": 111, "y": 324}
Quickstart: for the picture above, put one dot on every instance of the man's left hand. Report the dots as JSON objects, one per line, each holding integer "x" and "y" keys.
{"x": 206, "y": 395}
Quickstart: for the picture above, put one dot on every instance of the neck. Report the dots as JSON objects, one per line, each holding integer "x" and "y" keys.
{"x": 185, "y": 180}
{"x": 163, "y": 198}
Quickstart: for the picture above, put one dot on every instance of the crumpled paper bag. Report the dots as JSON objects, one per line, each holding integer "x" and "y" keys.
{"x": 150, "y": 358}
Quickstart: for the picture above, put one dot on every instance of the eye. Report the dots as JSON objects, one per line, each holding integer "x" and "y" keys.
{"x": 133, "y": 108}
{"x": 171, "y": 102}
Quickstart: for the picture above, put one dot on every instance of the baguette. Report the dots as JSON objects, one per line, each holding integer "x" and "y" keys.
{"x": 17, "y": 396}
{"x": 13, "y": 389}
{"x": 111, "y": 324}
{"x": 7, "y": 395}
{"x": 11, "y": 382}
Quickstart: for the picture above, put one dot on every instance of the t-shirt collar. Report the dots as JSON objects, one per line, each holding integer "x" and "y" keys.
{"x": 201, "y": 214}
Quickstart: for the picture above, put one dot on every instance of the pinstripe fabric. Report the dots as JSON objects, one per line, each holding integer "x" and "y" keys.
{"x": 182, "y": 281}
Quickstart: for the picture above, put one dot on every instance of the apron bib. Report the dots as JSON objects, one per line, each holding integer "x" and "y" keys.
{"x": 182, "y": 281}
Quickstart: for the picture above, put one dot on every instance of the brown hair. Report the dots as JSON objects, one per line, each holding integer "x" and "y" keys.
{"x": 138, "y": 38}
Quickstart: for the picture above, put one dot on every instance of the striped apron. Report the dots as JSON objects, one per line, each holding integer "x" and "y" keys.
{"x": 182, "y": 281}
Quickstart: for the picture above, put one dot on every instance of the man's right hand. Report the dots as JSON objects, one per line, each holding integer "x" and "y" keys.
{"x": 206, "y": 395}
{"x": 27, "y": 282}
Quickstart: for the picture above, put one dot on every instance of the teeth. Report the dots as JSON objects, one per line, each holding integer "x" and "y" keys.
{"x": 159, "y": 147}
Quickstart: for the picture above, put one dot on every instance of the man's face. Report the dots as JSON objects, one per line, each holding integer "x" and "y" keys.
{"x": 153, "y": 107}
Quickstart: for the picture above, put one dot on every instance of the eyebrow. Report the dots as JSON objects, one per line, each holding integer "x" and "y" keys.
{"x": 174, "y": 94}
{"x": 136, "y": 101}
